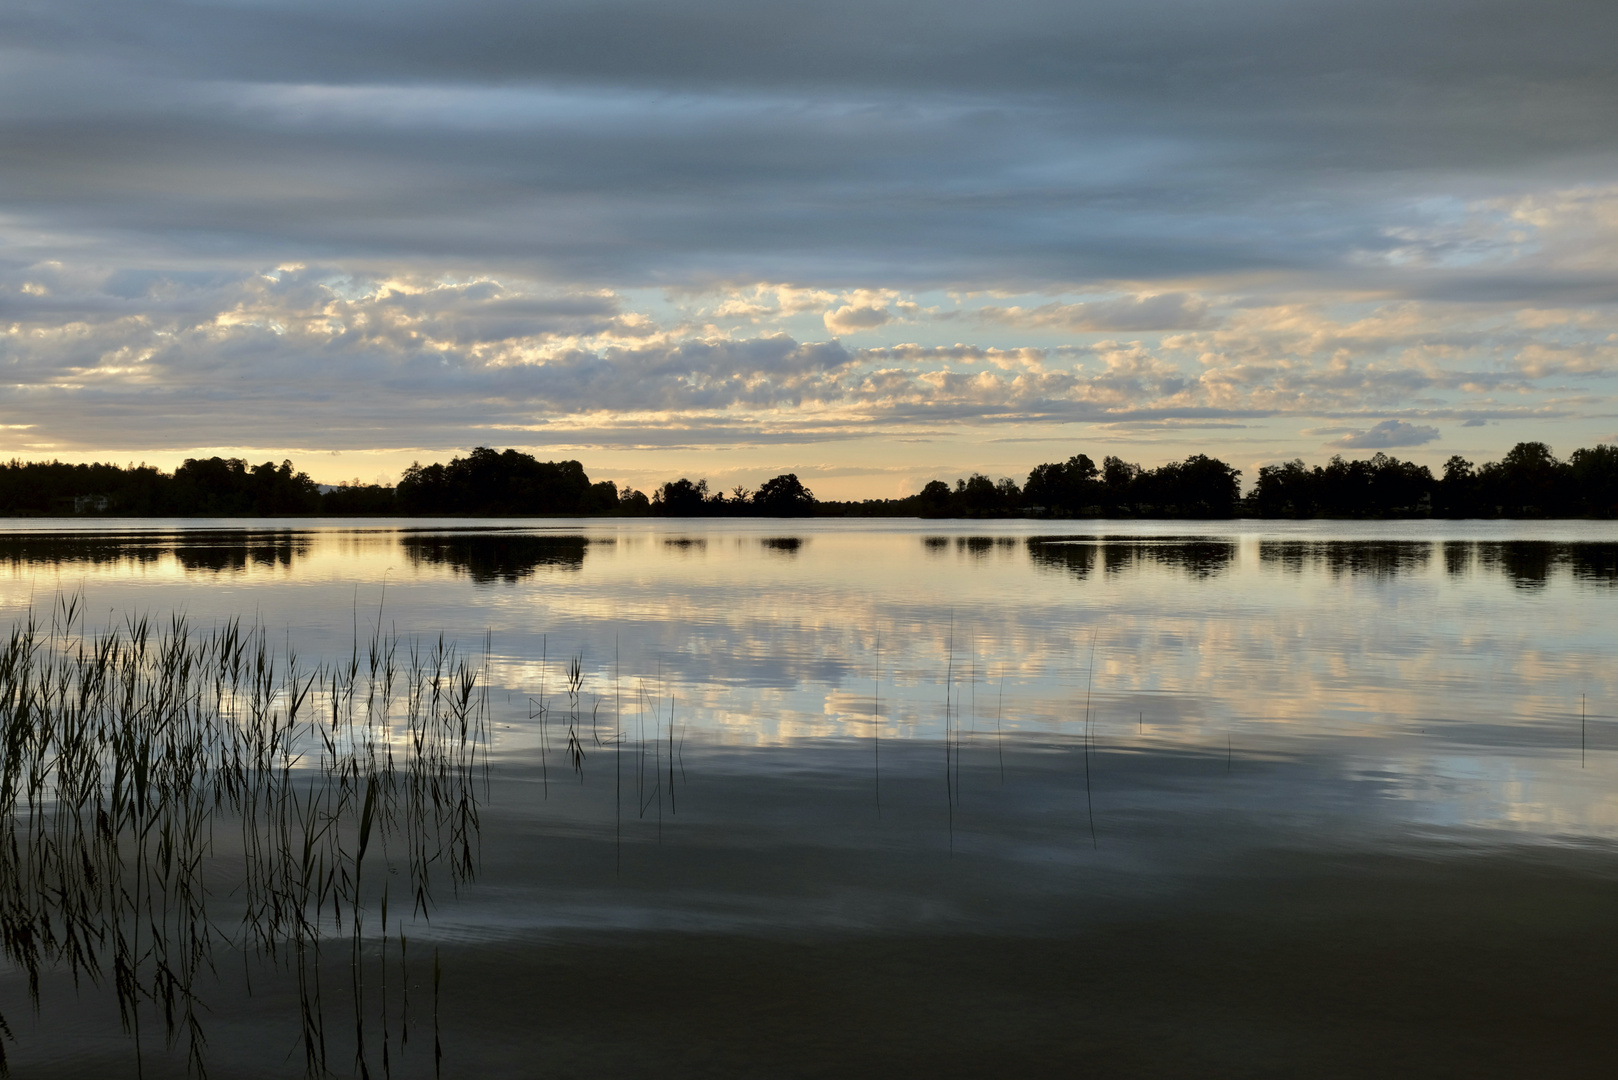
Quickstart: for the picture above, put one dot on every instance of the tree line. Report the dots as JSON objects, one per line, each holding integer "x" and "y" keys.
{"x": 490, "y": 482}
{"x": 1199, "y": 487}
{"x": 213, "y": 487}
{"x": 485, "y": 482}
{"x": 1530, "y": 481}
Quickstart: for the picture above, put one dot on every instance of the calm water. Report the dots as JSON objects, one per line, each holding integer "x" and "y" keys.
{"x": 1153, "y": 798}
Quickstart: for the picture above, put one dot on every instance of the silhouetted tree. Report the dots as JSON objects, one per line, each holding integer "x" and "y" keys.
{"x": 1458, "y": 493}
{"x": 784, "y": 496}
{"x": 978, "y": 496}
{"x": 1285, "y": 490}
{"x": 1595, "y": 479}
{"x": 356, "y": 499}
{"x": 1400, "y": 487}
{"x": 1118, "y": 479}
{"x": 631, "y": 501}
{"x": 54, "y": 487}
{"x": 490, "y": 482}
{"x": 1380, "y": 485}
{"x": 1527, "y": 482}
{"x": 1199, "y": 486}
{"x": 1063, "y": 487}
{"x": 228, "y": 486}
{"x": 934, "y": 500}
{"x": 681, "y": 498}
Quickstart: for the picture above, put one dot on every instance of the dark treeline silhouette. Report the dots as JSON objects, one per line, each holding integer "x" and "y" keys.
{"x": 485, "y": 482}
{"x": 222, "y": 487}
{"x": 489, "y": 482}
{"x": 1198, "y": 487}
{"x": 1528, "y": 482}
{"x": 784, "y": 496}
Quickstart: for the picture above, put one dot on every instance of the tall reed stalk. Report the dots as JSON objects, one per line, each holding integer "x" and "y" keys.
{"x": 134, "y": 758}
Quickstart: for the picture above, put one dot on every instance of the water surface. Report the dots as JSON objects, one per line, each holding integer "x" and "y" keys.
{"x": 1164, "y": 797}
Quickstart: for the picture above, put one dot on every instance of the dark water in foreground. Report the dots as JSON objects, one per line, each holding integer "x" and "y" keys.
{"x": 919, "y": 797}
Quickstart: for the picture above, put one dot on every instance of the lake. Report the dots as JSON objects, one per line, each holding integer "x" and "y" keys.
{"x": 874, "y": 797}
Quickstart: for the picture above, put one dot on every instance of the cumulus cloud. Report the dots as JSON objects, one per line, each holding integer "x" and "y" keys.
{"x": 315, "y": 355}
{"x": 850, "y": 319}
{"x": 1386, "y": 435}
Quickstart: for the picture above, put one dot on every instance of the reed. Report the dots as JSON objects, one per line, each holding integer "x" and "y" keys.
{"x": 1089, "y": 683}
{"x": 136, "y": 757}
{"x": 999, "y": 711}
{"x": 950, "y": 758}
{"x": 876, "y": 724}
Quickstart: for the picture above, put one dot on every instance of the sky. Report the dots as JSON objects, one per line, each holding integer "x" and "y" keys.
{"x": 872, "y": 243}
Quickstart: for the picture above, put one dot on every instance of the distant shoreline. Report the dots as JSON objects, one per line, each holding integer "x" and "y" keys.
{"x": 822, "y": 512}
{"x": 1529, "y": 483}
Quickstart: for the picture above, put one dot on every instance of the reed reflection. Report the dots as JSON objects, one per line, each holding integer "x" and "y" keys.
{"x": 154, "y": 779}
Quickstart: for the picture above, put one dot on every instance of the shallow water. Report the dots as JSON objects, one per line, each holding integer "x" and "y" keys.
{"x": 1164, "y": 797}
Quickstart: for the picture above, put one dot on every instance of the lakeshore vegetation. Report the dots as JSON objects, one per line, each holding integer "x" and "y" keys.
{"x": 1528, "y": 482}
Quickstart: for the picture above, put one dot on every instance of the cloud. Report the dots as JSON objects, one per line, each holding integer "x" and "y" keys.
{"x": 635, "y": 142}
{"x": 1386, "y": 435}
{"x": 849, "y": 319}
{"x": 321, "y": 356}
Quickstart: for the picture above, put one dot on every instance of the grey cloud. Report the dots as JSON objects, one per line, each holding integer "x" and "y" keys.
{"x": 1032, "y": 44}
{"x": 1031, "y": 142}
{"x": 1386, "y": 435}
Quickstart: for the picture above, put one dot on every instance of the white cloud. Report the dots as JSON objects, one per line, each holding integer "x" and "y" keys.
{"x": 851, "y": 318}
